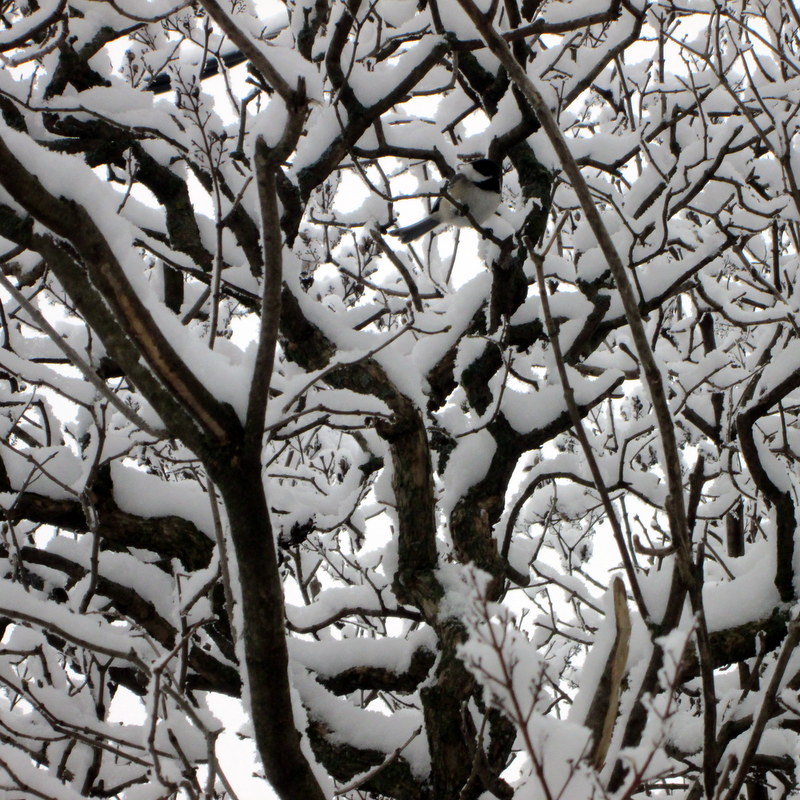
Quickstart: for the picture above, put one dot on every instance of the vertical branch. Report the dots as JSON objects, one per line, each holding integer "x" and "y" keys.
{"x": 767, "y": 709}
{"x": 704, "y": 648}
{"x": 222, "y": 549}
{"x": 604, "y": 709}
{"x": 675, "y": 506}
{"x": 674, "y": 503}
{"x": 577, "y": 424}
{"x": 271, "y": 296}
{"x": 216, "y": 280}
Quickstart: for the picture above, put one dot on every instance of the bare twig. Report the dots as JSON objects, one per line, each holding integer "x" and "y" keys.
{"x": 368, "y": 776}
{"x": 76, "y": 359}
{"x": 400, "y": 267}
{"x": 766, "y": 711}
{"x": 675, "y": 506}
{"x": 577, "y": 424}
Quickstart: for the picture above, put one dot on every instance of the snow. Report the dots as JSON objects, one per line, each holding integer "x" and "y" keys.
{"x": 468, "y": 464}
{"x": 367, "y": 729}
{"x": 38, "y": 780}
{"x": 78, "y": 390}
{"x": 372, "y": 87}
{"x": 20, "y": 31}
{"x": 332, "y": 603}
{"x": 332, "y": 657}
{"x": 36, "y": 470}
{"x": 67, "y": 177}
{"x": 722, "y": 600}
{"x": 526, "y": 416}
{"x": 86, "y": 630}
{"x": 124, "y": 569}
{"x": 140, "y": 493}
{"x": 697, "y": 237}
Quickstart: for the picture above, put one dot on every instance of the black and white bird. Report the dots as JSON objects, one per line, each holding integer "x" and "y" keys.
{"x": 471, "y": 196}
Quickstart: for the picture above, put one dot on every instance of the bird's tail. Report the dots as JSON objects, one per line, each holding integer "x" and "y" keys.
{"x": 411, "y": 232}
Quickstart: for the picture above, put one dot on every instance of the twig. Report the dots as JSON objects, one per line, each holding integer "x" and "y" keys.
{"x": 766, "y": 711}
{"x": 78, "y": 361}
{"x": 368, "y": 776}
{"x": 577, "y": 424}
{"x": 400, "y": 267}
{"x": 674, "y": 503}
{"x": 249, "y": 48}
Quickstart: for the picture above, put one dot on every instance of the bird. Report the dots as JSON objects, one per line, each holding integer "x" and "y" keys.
{"x": 470, "y": 197}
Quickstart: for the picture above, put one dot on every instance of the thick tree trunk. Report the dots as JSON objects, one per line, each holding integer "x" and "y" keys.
{"x": 265, "y": 651}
